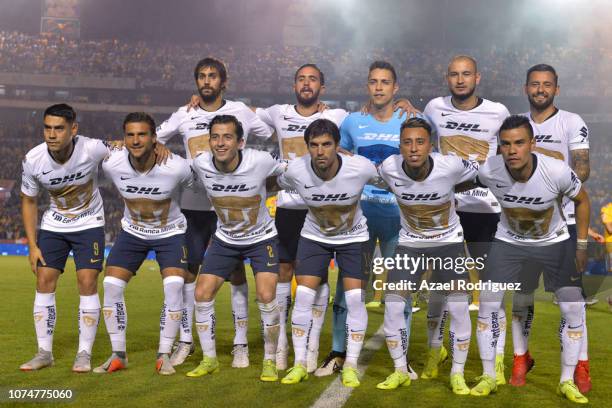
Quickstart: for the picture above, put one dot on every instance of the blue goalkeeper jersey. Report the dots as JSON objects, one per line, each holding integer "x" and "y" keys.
{"x": 366, "y": 136}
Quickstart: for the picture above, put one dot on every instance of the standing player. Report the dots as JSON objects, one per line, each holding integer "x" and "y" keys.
{"x": 193, "y": 126}
{"x": 375, "y": 137}
{"x": 235, "y": 181}
{"x": 532, "y": 230}
{"x": 66, "y": 165}
{"x": 562, "y": 135}
{"x": 466, "y": 125}
{"x": 152, "y": 221}
{"x": 423, "y": 184}
{"x": 290, "y": 122}
{"x": 331, "y": 185}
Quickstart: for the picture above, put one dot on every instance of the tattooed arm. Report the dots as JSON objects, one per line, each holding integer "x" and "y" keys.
{"x": 580, "y": 163}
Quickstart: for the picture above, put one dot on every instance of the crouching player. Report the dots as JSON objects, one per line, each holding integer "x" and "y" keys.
{"x": 532, "y": 230}
{"x": 152, "y": 221}
{"x": 235, "y": 181}
{"x": 431, "y": 235}
{"x": 331, "y": 185}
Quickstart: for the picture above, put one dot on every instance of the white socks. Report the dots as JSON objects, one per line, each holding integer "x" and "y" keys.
{"x": 356, "y": 324}
{"x": 205, "y": 325}
{"x": 270, "y": 327}
{"x": 571, "y": 331}
{"x": 89, "y": 316}
{"x": 186, "y": 335}
{"x": 522, "y": 319}
{"x": 301, "y": 320}
{"x": 319, "y": 307}
{"x": 437, "y": 313}
{"x": 283, "y": 298}
{"x": 44, "y": 319}
{"x": 240, "y": 311}
{"x": 395, "y": 330}
{"x": 115, "y": 312}
{"x": 171, "y": 313}
{"x": 460, "y": 330}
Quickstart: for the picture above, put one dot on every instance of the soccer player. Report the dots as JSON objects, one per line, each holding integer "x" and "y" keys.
{"x": 331, "y": 185}
{"x": 562, "y": 135}
{"x": 152, "y": 221}
{"x": 66, "y": 165}
{"x": 466, "y": 125}
{"x": 211, "y": 81}
{"x": 374, "y": 136}
{"x": 235, "y": 181}
{"x": 532, "y": 229}
{"x": 289, "y": 123}
{"x": 423, "y": 184}
{"x": 606, "y": 220}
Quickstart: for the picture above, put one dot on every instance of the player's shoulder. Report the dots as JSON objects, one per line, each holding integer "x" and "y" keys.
{"x": 256, "y": 155}
{"x": 335, "y": 115}
{"x": 356, "y": 160}
{"x": 550, "y": 163}
{"x": 493, "y": 106}
{"x": 175, "y": 162}
{"x": 298, "y": 165}
{"x": 35, "y": 154}
{"x": 437, "y": 103}
{"x": 391, "y": 163}
{"x": 570, "y": 117}
{"x": 492, "y": 165}
{"x": 182, "y": 112}
{"x": 114, "y": 158}
{"x": 353, "y": 117}
{"x": 237, "y": 107}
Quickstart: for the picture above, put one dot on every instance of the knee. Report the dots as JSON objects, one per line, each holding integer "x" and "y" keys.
{"x": 203, "y": 294}
{"x": 88, "y": 285}
{"x": 265, "y": 295}
{"x": 46, "y": 284}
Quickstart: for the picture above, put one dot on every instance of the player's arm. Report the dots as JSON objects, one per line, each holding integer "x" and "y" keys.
{"x": 346, "y": 140}
{"x": 467, "y": 171}
{"x": 162, "y": 153}
{"x": 29, "y": 213}
{"x": 581, "y": 164}
{"x": 583, "y": 212}
{"x": 597, "y": 237}
{"x": 607, "y": 222}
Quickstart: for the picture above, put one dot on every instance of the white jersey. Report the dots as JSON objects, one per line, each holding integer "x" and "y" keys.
{"x": 290, "y": 126}
{"x": 151, "y": 199}
{"x": 427, "y": 207}
{"x": 193, "y": 127}
{"x": 531, "y": 212}
{"x": 556, "y": 137}
{"x": 239, "y": 197}
{"x": 471, "y": 135}
{"x": 334, "y": 214}
{"x": 75, "y": 202}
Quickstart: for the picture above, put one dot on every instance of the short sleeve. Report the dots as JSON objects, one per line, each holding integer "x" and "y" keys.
{"x": 265, "y": 115}
{"x": 465, "y": 170}
{"x": 568, "y": 182}
{"x": 257, "y": 127}
{"x": 346, "y": 140}
{"x": 29, "y": 184}
{"x": 578, "y": 133}
{"x": 168, "y": 128}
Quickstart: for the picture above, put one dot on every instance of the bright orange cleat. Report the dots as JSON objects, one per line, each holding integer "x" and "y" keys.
{"x": 582, "y": 377}
{"x": 521, "y": 366}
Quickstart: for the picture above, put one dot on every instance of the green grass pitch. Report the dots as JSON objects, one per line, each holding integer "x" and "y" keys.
{"x": 140, "y": 386}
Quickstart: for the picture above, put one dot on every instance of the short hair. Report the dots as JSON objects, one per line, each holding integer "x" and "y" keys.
{"x": 62, "y": 110}
{"x": 383, "y": 65}
{"x": 321, "y": 76}
{"x": 225, "y": 119}
{"x": 464, "y": 57}
{"x": 542, "y": 68}
{"x": 515, "y": 122}
{"x": 136, "y": 117}
{"x": 210, "y": 62}
{"x": 414, "y": 123}
{"x": 321, "y": 127}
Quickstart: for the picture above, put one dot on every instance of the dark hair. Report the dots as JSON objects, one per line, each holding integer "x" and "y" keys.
{"x": 414, "y": 123}
{"x": 136, "y": 117}
{"x": 321, "y": 127}
{"x": 62, "y": 110}
{"x": 321, "y": 76}
{"x": 542, "y": 68}
{"x": 210, "y": 62}
{"x": 224, "y": 119}
{"x": 383, "y": 65}
{"x": 515, "y": 122}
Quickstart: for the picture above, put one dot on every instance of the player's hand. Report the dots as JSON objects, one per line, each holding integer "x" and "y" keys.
{"x": 581, "y": 260}
{"x": 35, "y": 256}
{"x": 597, "y": 237}
{"x": 322, "y": 106}
{"x": 193, "y": 103}
{"x": 341, "y": 150}
{"x": 404, "y": 106}
{"x": 162, "y": 154}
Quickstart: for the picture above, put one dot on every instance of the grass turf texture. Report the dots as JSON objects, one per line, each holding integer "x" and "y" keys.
{"x": 140, "y": 385}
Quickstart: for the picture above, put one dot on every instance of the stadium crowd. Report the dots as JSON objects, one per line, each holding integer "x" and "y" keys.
{"x": 257, "y": 69}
